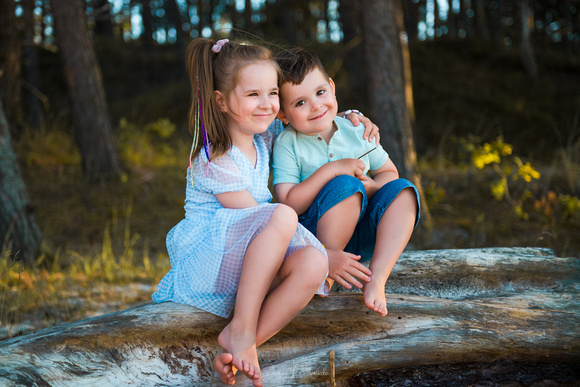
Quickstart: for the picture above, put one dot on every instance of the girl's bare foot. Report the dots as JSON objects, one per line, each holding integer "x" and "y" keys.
{"x": 242, "y": 347}
{"x": 223, "y": 365}
{"x": 374, "y": 296}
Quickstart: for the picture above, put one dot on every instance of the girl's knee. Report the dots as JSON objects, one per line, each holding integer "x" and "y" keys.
{"x": 285, "y": 219}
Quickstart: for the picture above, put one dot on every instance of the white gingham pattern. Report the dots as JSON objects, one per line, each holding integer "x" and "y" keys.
{"x": 206, "y": 249}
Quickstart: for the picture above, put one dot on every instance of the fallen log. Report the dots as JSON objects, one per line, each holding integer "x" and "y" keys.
{"x": 517, "y": 304}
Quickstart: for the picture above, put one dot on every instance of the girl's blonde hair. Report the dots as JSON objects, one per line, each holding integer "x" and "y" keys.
{"x": 210, "y": 71}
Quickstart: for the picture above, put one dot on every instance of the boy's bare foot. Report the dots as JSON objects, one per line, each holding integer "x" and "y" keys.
{"x": 242, "y": 347}
{"x": 223, "y": 365}
{"x": 374, "y": 296}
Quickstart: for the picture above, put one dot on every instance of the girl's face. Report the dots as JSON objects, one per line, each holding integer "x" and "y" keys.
{"x": 253, "y": 103}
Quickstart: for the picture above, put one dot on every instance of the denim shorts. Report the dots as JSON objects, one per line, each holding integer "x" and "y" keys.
{"x": 342, "y": 187}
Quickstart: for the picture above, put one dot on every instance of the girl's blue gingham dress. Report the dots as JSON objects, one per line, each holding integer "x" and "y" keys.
{"x": 207, "y": 248}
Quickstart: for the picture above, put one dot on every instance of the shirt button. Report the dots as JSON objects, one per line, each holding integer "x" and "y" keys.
{"x": 319, "y": 138}
{"x": 331, "y": 155}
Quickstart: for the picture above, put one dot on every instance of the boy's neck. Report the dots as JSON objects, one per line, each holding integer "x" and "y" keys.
{"x": 328, "y": 133}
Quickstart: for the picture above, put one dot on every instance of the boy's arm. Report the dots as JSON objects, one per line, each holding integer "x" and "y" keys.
{"x": 301, "y": 196}
{"x": 386, "y": 173}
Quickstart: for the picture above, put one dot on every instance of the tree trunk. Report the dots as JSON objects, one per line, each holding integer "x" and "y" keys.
{"x": 10, "y": 65}
{"x": 19, "y": 232}
{"x": 390, "y": 91}
{"x": 147, "y": 36}
{"x": 103, "y": 22}
{"x": 33, "y": 99}
{"x": 526, "y": 50}
{"x": 200, "y": 24}
{"x": 89, "y": 106}
{"x": 248, "y": 16}
{"x": 462, "y": 306}
{"x": 174, "y": 17}
{"x": 481, "y": 24}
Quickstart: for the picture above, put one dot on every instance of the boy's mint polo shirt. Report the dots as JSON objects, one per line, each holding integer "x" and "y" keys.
{"x": 297, "y": 156}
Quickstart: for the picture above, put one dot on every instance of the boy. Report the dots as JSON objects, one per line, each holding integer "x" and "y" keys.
{"x": 320, "y": 169}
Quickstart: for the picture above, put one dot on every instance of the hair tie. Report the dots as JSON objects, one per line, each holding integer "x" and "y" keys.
{"x": 217, "y": 47}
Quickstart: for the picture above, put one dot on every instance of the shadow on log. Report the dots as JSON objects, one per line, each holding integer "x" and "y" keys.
{"x": 445, "y": 306}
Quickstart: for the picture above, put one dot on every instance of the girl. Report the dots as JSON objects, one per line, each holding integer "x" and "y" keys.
{"x": 235, "y": 250}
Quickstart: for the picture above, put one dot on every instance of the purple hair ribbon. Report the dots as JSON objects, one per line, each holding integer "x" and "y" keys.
{"x": 203, "y": 131}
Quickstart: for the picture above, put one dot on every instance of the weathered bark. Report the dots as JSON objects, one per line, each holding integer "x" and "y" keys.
{"x": 90, "y": 117}
{"x": 19, "y": 231}
{"x": 517, "y": 304}
{"x": 390, "y": 91}
{"x": 9, "y": 65}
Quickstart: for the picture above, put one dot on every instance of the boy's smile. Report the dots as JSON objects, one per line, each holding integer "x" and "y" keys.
{"x": 311, "y": 106}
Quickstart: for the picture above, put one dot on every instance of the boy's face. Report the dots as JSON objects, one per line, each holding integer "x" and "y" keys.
{"x": 311, "y": 106}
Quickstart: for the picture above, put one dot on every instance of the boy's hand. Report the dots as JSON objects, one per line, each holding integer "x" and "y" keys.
{"x": 371, "y": 186}
{"x": 344, "y": 268}
{"x": 352, "y": 167}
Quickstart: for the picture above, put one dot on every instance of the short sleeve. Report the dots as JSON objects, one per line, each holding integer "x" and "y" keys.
{"x": 220, "y": 175}
{"x": 270, "y": 135}
{"x": 285, "y": 165}
{"x": 378, "y": 158}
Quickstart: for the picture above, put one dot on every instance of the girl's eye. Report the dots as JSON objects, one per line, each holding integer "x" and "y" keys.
{"x": 274, "y": 93}
{"x": 299, "y": 103}
{"x": 253, "y": 94}
{"x": 320, "y": 92}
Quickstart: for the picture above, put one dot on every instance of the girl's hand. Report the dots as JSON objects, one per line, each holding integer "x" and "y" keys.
{"x": 345, "y": 268}
{"x": 371, "y": 130}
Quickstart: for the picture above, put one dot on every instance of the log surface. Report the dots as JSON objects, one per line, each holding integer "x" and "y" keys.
{"x": 445, "y": 306}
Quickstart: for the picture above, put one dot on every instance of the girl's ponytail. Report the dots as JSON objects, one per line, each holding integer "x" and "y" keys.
{"x": 206, "y": 121}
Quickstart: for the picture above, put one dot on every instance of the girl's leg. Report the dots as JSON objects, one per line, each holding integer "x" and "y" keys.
{"x": 393, "y": 233}
{"x": 297, "y": 281}
{"x": 262, "y": 260}
{"x": 299, "y": 278}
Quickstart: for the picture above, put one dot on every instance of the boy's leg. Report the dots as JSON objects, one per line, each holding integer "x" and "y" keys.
{"x": 263, "y": 258}
{"x": 391, "y": 217}
{"x": 333, "y": 217}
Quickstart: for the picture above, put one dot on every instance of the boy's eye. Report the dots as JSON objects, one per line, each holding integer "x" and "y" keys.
{"x": 299, "y": 103}
{"x": 320, "y": 92}
{"x": 253, "y": 94}
{"x": 274, "y": 92}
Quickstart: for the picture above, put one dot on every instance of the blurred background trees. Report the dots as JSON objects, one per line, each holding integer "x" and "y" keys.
{"x": 441, "y": 78}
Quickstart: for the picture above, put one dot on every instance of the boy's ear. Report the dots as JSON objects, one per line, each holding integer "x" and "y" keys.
{"x": 220, "y": 100}
{"x": 282, "y": 117}
{"x": 331, "y": 82}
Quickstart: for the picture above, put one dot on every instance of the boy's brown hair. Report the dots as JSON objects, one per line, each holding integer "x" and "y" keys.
{"x": 295, "y": 64}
